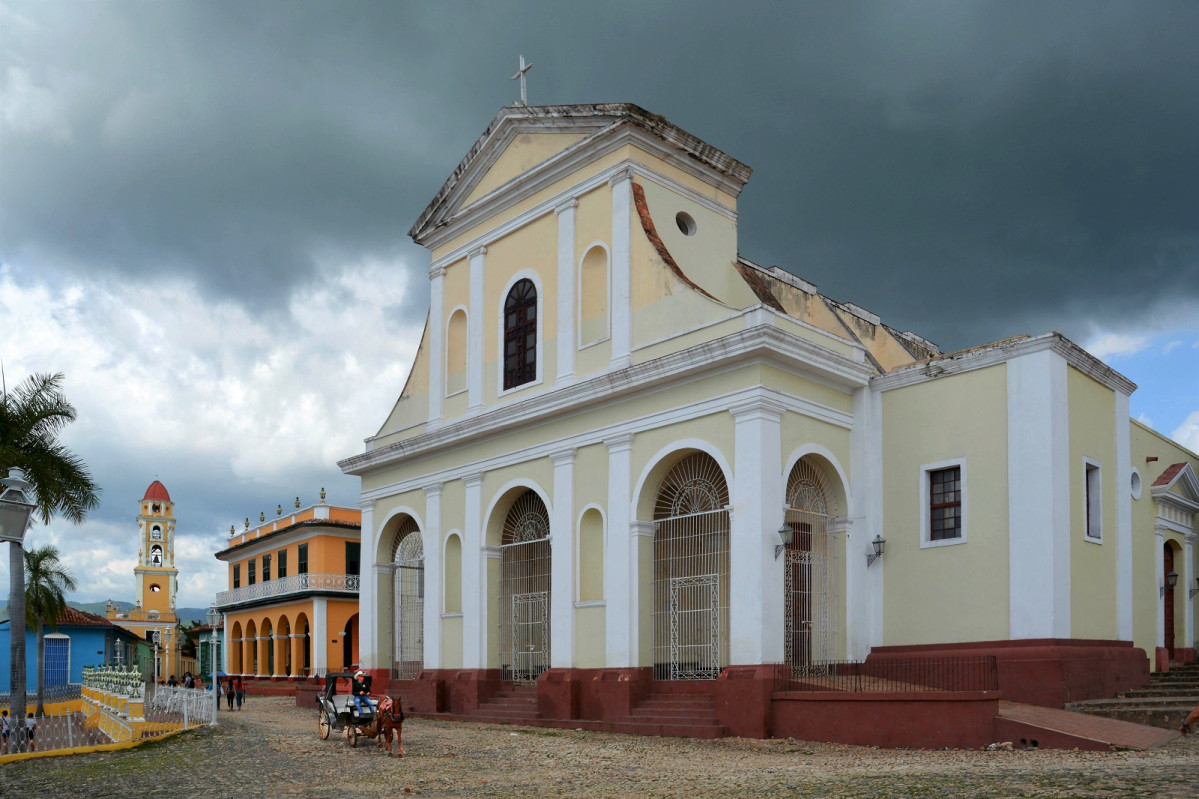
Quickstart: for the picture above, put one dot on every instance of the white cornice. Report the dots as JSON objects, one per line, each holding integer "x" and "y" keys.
{"x": 760, "y": 344}
{"x": 567, "y": 162}
{"x": 1001, "y": 352}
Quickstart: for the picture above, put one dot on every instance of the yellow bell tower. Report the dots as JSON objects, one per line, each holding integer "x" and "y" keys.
{"x": 156, "y": 576}
{"x": 153, "y": 616}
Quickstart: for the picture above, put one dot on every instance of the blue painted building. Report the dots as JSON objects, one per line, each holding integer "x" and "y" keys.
{"x": 80, "y": 639}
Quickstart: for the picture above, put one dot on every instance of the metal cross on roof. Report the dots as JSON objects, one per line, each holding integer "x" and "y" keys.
{"x": 520, "y": 73}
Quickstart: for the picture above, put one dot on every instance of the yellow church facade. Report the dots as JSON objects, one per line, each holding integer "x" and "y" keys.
{"x": 627, "y": 457}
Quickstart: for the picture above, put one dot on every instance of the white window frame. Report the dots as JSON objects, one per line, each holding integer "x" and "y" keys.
{"x": 541, "y": 353}
{"x": 1092, "y": 500}
{"x": 926, "y": 470}
{"x": 57, "y": 637}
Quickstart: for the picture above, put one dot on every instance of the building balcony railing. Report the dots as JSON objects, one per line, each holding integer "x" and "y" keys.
{"x": 296, "y": 584}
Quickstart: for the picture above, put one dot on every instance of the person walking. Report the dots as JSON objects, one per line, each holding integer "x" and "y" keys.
{"x": 30, "y": 726}
{"x": 229, "y": 693}
{"x": 4, "y": 732}
{"x": 240, "y": 688}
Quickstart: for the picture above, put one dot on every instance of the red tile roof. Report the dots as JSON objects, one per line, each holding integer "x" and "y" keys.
{"x": 1169, "y": 474}
{"x": 73, "y": 617}
{"x": 157, "y": 491}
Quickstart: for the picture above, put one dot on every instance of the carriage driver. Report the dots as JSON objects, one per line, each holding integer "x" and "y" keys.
{"x": 361, "y": 693}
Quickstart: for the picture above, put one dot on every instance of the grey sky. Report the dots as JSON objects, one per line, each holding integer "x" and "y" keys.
{"x": 969, "y": 171}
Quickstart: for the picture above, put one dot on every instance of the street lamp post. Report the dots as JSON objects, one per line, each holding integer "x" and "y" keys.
{"x": 214, "y": 616}
{"x": 16, "y": 508}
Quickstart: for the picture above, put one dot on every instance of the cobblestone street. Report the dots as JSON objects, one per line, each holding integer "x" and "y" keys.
{"x": 272, "y": 748}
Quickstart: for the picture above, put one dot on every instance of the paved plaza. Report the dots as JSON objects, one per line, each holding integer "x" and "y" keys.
{"x": 272, "y": 749}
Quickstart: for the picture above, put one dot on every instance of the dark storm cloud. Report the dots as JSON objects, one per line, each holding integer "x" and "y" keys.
{"x": 966, "y": 170}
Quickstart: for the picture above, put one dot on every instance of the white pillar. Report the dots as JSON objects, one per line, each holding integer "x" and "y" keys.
{"x": 755, "y": 581}
{"x": 320, "y": 637}
{"x": 622, "y": 301}
{"x": 474, "y": 576}
{"x": 562, "y": 542}
{"x": 1186, "y": 580}
{"x": 436, "y": 341}
{"x": 1159, "y": 571}
{"x": 368, "y": 606}
{"x": 864, "y": 619}
{"x": 474, "y": 333}
{"x": 566, "y": 290}
{"x": 1123, "y": 534}
{"x": 619, "y": 560}
{"x": 431, "y": 543}
{"x": 1038, "y": 470}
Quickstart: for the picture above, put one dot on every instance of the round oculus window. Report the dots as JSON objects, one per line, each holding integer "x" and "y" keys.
{"x": 685, "y": 222}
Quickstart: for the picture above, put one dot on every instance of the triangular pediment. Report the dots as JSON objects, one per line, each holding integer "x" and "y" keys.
{"x": 524, "y": 147}
{"x": 1178, "y": 485}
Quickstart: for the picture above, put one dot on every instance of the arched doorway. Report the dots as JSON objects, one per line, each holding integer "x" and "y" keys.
{"x": 408, "y": 601}
{"x": 525, "y": 590}
{"x": 809, "y": 585}
{"x": 691, "y": 571}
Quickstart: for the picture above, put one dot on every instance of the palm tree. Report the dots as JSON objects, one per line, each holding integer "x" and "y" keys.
{"x": 30, "y": 420}
{"x": 46, "y": 584}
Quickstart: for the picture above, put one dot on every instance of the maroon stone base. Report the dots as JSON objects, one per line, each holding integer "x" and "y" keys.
{"x": 921, "y": 720}
{"x": 1184, "y": 655}
{"x": 1048, "y": 672}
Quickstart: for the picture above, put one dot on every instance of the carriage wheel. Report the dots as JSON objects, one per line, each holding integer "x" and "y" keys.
{"x": 352, "y": 734}
{"x": 322, "y": 724}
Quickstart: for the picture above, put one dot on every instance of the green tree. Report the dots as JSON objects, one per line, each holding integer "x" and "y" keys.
{"x": 31, "y": 417}
{"x": 46, "y": 584}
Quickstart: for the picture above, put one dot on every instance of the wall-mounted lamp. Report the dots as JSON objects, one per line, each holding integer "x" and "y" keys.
{"x": 786, "y": 535}
{"x": 1171, "y": 581}
{"x": 879, "y": 543}
{"x": 1193, "y": 591}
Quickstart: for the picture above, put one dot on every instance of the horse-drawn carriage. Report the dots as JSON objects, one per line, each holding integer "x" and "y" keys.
{"x": 337, "y": 711}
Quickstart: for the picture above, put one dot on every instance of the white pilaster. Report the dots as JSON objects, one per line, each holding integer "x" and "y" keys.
{"x": 1186, "y": 582}
{"x": 431, "y": 541}
{"x": 566, "y": 290}
{"x": 474, "y": 333}
{"x": 622, "y": 301}
{"x": 755, "y": 583}
{"x": 368, "y": 606}
{"x": 436, "y": 341}
{"x": 864, "y": 608}
{"x": 1038, "y": 469}
{"x": 1123, "y": 537}
{"x": 320, "y": 637}
{"x": 620, "y": 568}
{"x": 474, "y": 576}
{"x": 562, "y": 541}
{"x": 1159, "y": 579}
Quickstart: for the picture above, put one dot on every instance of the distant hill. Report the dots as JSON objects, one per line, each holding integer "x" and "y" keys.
{"x": 186, "y": 615}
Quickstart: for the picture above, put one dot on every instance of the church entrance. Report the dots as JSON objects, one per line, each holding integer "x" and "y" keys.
{"x": 691, "y": 571}
{"x": 525, "y": 591}
{"x": 408, "y": 602}
{"x": 809, "y": 586}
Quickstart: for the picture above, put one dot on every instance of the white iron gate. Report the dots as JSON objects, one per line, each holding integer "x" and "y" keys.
{"x": 408, "y": 607}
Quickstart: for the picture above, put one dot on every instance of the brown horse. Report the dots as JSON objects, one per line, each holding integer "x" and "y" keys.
{"x": 389, "y": 722}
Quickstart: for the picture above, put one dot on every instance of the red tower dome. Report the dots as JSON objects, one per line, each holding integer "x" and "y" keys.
{"x": 157, "y": 491}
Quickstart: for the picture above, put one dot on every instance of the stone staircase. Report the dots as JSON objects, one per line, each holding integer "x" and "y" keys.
{"x": 516, "y": 704}
{"x": 1163, "y": 702}
{"x": 676, "y": 713}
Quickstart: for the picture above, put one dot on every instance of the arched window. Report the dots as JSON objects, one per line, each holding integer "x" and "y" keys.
{"x": 520, "y": 334}
{"x": 455, "y": 361}
{"x": 156, "y": 555}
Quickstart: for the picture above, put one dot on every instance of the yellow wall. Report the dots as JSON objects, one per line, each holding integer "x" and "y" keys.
{"x": 958, "y": 592}
{"x": 523, "y": 153}
{"x": 1092, "y": 565}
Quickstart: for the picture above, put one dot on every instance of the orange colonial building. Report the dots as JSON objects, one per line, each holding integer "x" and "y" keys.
{"x": 291, "y": 610}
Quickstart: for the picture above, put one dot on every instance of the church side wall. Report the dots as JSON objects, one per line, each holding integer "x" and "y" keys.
{"x": 1092, "y": 562}
{"x": 946, "y": 592}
